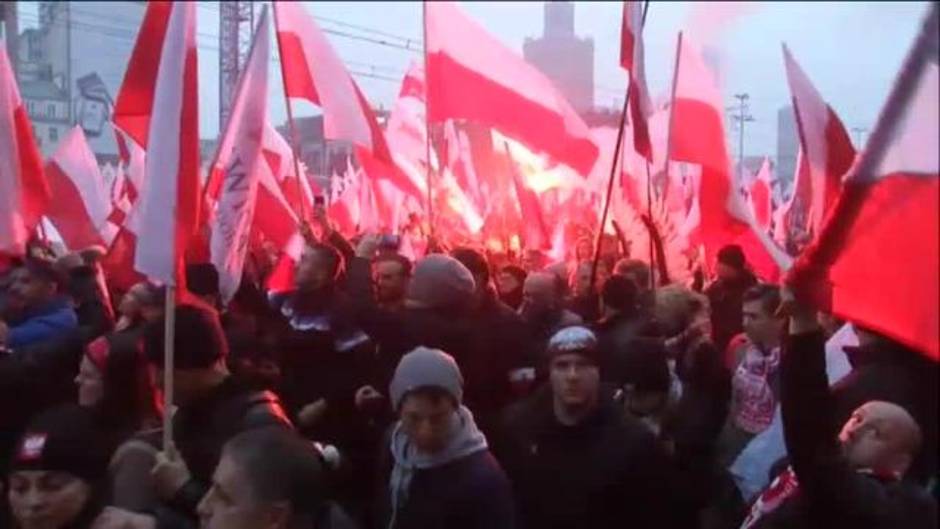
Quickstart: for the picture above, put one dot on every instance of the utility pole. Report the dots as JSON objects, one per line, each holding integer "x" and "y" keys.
{"x": 859, "y": 132}
{"x": 741, "y": 117}
{"x": 236, "y": 28}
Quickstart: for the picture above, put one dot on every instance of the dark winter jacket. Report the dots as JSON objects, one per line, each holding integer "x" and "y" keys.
{"x": 724, "y": 300}
{"x": 607, "y": 472}
{"x": 703, "y": 407}
{"x": 471, "y": 492}
{"x": 830, "y": 493}
{"x": 322, "y": 353}
{"x": 201, "y": 429}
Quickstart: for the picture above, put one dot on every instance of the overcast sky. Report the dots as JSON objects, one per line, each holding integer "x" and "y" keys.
{"x": 850, "y": 50}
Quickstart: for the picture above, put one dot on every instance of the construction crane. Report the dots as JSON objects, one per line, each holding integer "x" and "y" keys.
{"x": 236, "y": 27}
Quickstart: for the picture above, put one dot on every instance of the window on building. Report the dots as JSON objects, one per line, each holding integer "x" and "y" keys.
{"x": 53, "y": 134}
{"x": 50, "y": 110}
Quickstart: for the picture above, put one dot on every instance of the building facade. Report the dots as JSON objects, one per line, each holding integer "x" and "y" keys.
{"x": 75, "y": 61}
{"x": 563, "y": 57}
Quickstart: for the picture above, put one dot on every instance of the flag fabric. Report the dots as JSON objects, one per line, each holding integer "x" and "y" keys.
{"x": 79, "y": 205}
{"x": 698, "y": 137}
{"x": 406, "y": 131}
{"x": 792, "y": 217}
{"x": 473, "y": 76}
{"x": 24, "y": 192}
{"x": 314, "y": 72}
{"x": 760, "y": 196}
{"x": 826, "y": 144}
{"x": 632, "y": 59}
{"x": 535, "y": 231}
{"x": 158, "y": 108}
{"x": 241, "y": 157}
{"x": 875, "y": 262}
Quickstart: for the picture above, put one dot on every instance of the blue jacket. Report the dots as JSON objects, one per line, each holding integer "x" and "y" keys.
{"x": 49, "y": 321}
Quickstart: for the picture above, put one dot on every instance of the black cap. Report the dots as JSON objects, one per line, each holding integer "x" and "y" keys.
{"x": 64, "y": 439}
{"x": 202, "y": 279}
{"x": 733, "y": 256}
{"x": 198, "y": 341}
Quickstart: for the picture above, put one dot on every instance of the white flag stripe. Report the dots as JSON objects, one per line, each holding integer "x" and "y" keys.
{"x": 158, "y": 223}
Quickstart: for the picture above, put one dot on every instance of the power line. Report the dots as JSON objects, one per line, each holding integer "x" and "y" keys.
{"x": 123, "y": 35}
{"x": 366, "y": 29}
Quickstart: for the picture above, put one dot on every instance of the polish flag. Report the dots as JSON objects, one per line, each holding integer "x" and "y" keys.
{"x": 473, "y": 76}
{"x": 298, "y": 192}
{"x": 698, "y": 137}
{"x": 24, "y": 192}
{"x": 760, "y": 198}
{"x": 826, "y": 145}
{"x": 406, "y": 131}
{"x": 158, "y": 108}
{"x": 632, "y": 59}
{"x": 79, "y": 206}
{"x": 240, "y": 155}
{"x": 875, "y": 262}
{"x": 314, "y": 72}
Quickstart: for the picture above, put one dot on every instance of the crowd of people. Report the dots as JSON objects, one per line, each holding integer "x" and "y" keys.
{"x": 461, "y": 390}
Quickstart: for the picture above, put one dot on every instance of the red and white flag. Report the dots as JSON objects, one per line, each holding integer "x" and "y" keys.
{"x": 826, "y": 144}
{"x": 240, "y": 155}
{"x": 158, "y": 108}
{"x": 24, "y": 192}
{"x": 79, "y": 205}
{"x": 760, "y": 196}
{"x": 473, "y": 76}
{"x": 876, "y": 261}
{"x": 313, "y": 71}
{"x": 698, "y": 137}
{"x": 632, "y": 59}
{"x": 406, "y": 131}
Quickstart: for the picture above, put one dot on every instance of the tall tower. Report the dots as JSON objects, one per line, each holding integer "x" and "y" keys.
{"x": 563, "y": 57}
{"x": 236, "y": 26}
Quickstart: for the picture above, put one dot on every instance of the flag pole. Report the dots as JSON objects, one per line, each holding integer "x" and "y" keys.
{"x": 613, "y": 172}
{"x": 649, "y": 213}
{"x": 295, "y": 148}
{"x": 169, "y": 329}
{"x": 610, "y": 187}
{"x": 427, "y": 117}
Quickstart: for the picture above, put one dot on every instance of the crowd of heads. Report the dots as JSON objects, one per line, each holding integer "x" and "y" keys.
{"x": 595, "y": 335}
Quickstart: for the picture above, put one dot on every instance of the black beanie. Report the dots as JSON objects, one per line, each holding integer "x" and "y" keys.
{"x": 199, "y": 341}
{"x": 202, "y": 279}
{"x": 733, "y": 256}
{"x": 620, "y": 293}
{"x": 64, "y": 439}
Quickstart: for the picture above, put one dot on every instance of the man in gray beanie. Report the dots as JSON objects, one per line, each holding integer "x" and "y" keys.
{"x": 438, "y": 467}
{"x": 440, "y": 282}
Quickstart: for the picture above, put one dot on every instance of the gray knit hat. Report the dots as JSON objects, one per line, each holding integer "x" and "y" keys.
{"x": 440, "y": 281}
{"x": 426, "y": 367}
